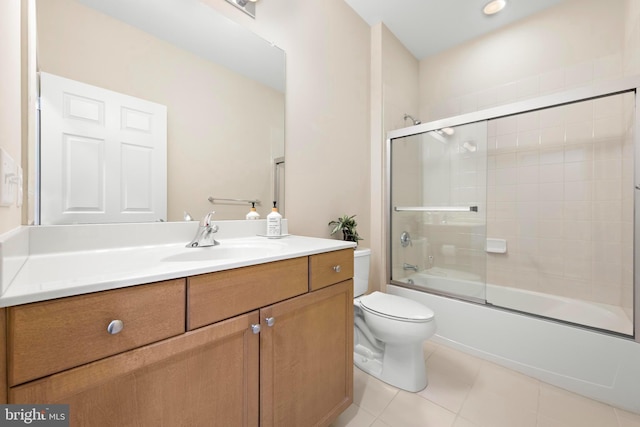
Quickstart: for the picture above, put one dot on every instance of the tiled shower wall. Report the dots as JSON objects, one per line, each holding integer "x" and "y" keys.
{"x": 457, "y": 239}
{"x": 577, "y": 43}
{"x": 439, "y": 171}
{"x": 560, "y": 191}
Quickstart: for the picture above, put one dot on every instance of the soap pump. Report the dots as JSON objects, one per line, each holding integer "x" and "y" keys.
{"x": 252, "y": 213}
{"x": 274, "y": 222}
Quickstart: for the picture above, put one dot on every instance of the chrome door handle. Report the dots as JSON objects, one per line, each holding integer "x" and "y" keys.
{"x": 270, "y": 321}
{"x": 115, "y": 326}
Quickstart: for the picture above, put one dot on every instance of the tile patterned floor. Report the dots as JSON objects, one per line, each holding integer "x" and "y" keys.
{"x": 465, "y": 391}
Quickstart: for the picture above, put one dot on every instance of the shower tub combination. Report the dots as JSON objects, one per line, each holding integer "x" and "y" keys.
{"x": 578, "y": 312}
{"x": 554, "y": 231}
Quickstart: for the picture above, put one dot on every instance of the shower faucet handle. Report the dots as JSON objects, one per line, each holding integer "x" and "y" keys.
{"x": 405, "y": 239}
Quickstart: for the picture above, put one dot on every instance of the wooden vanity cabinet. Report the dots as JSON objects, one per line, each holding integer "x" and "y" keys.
{"x": 217, "y": 296}
{"x": 207, "y": 377}
{"x": 281, "y": 358}
{"x": 306, "y": 358}
{"x": 51, "y": 336}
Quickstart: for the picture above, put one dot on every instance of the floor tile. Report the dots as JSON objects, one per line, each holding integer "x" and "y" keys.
{"x": 466, "y": 391}
{"x": 489, "y": 409}
{"x": 461, "y": 422}
{"x": 544, "y": 421}
{"x": 411, "y": 410}
{"x": 570, "y": 409}
{"x": 627, "y": 419}
{"x": 450, "y": 374}
{"x": 370, "y": 393}
{"x": 429, "y": 347}
{"x": 354, "y": 417}
{"x": 518, "y": 390}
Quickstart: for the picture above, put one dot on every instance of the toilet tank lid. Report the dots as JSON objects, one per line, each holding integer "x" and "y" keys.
{"x": 361, "y": 252}
{"x": 396, "y": 306}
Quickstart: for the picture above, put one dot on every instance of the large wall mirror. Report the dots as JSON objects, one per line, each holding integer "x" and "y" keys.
{"x": 223, "y": 88}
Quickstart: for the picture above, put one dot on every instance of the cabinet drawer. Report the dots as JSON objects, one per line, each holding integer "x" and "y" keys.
{"x": 51, "y": 336}
{"x": 329, "y": 268}
{"x": 207, "y": 377}
{"x": 216, "y": 296}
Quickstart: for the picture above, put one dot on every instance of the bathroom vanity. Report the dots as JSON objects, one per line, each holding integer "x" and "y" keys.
{"x": 267, "y": 341}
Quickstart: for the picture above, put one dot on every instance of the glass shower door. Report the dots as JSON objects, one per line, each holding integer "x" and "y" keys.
{"x": 562, "y": 186}
{"x": 438, "y": 188}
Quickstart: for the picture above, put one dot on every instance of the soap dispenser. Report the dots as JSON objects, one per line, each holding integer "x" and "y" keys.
{"x": 274, "y": 222}
{"x": 252, "y": 213}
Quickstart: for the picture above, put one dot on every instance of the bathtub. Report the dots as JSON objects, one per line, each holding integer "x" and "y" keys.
{"x": 598, "y": 365}
{"x": 442, "y": 280}
{"x": 467, "y": 285}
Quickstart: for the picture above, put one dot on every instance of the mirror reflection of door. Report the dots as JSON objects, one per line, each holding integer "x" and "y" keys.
{"x": 103, "y": 155}
{"x": 223, "y": 87}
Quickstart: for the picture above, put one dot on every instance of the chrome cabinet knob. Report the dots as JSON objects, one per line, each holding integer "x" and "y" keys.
{"x": 115, "y": 326}
{"x": 270, "y": 321}
{"x": 255, "y": 328}
{"x": 337, "y": 268}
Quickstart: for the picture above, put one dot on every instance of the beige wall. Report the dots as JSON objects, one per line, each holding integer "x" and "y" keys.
{"x": 575, "y": 43}
{"x": 327, "y": 146}
{"x": 393, "y": 93}
{"x": 10, "y": 97}
{"x": 219, "y": 122}
{"x": 632, "y": 37}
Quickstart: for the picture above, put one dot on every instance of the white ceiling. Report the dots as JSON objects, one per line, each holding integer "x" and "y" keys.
{"x": 427, "y": 27}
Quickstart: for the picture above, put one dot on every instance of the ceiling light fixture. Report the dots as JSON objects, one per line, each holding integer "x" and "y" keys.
{"x": 494, "y": 7}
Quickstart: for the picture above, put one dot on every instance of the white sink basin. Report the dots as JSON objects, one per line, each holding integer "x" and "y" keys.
{"x": 225, "y": 251}
{"x": 60, "y": 261}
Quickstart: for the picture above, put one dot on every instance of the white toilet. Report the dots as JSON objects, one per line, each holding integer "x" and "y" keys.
{"x": 388, "y": 332}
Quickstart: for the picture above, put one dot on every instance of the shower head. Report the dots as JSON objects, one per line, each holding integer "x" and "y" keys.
{"x": 415, "y": 122}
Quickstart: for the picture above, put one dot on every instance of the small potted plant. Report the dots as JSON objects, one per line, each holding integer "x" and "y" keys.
{"x": 346, "y": 224}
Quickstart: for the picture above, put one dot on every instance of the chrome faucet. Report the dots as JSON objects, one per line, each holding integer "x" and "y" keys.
{"x": 204, "y": 235}
{"x": 406, "y": 266}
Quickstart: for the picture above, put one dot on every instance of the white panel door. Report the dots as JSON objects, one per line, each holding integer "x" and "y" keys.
{"x": 103, "y": 155}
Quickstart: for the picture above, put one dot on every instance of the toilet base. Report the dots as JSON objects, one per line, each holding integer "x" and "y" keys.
{"x": 401, "y": 366}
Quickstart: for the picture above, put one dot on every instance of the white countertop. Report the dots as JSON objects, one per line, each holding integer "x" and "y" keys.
{"x": 56, "y": 274}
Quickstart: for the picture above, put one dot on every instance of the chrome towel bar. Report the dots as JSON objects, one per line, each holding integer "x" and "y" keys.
{"x": 436, "y": 209}
{"x": 212, "y": 199}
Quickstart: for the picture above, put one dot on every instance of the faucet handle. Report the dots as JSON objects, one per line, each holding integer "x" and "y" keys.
{"x": 206, "y": 221}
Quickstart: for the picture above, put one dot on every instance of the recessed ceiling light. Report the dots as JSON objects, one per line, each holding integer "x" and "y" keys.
{"x": 494, "y": 6}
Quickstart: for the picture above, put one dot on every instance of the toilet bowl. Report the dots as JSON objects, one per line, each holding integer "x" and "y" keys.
{"x": 389, "y": 332}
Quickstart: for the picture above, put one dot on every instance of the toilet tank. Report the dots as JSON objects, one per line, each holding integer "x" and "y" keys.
{"x": 361, "y": 261}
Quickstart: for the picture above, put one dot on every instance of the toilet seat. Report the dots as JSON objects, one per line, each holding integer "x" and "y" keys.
{"x": 395, "y": 307}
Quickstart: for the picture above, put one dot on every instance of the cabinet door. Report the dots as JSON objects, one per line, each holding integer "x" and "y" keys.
{"x": 207, "y": 377}
{"x": 306, "y": 358}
